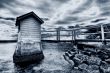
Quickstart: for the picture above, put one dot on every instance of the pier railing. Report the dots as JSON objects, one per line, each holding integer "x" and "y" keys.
{"x": 74, "y": 34}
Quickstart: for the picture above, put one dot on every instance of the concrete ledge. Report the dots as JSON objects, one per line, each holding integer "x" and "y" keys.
{"x": 28, "y": 52}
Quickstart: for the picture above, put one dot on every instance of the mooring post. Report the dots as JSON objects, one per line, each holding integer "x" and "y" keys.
{"x": 102, "y": 34}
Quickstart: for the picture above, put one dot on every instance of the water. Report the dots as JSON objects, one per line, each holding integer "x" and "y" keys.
{"x": 53, "y": 61}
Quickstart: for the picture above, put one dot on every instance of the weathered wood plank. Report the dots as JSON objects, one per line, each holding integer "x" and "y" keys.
{"x": 78, "y": 40}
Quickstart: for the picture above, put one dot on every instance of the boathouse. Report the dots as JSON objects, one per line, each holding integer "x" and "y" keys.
{"x": 29, "y": 46}
{"x": 29, "y": 26}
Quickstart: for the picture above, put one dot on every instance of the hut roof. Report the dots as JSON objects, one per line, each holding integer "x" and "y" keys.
{"x": 30, "y": 14}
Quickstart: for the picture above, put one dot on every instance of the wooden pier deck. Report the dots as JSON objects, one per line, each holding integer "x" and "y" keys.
{"x": 78, "y": 40}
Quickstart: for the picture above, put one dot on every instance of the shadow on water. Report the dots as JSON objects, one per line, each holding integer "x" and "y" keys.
{"x": 25, "y": 68}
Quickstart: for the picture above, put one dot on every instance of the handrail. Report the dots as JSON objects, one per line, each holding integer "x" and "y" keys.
{"x": 73, "y": 33}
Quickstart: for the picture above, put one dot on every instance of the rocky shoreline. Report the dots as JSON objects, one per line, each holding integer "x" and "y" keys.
{"x": 89, "y": 60}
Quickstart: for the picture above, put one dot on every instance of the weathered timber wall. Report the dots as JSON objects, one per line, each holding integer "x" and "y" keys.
{"x": 30, "y": 29}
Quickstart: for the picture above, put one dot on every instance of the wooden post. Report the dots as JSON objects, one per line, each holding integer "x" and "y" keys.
{"x": 72, "y": 35}
{"x": 58, "y": 34}
{"x": 102, "y": 34}
{"x": 73, "y": 42}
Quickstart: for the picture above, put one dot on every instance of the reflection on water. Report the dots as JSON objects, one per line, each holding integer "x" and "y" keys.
{"x": 26, "y": 69}
{"x": 53, "y": 59}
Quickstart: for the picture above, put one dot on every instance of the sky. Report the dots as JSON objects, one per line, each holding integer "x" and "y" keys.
{"x": 56, "y": 12}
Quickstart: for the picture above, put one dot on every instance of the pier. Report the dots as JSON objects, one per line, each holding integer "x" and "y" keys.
{"x": 73, "y": 35}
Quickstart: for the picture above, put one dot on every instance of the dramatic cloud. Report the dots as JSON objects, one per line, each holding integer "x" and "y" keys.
{"x": 44, "y": 8}
{"x": 104, "y": 6}
{"x": 56, "y": 12}
{"x": 65, "y": 10}
{"x": 83, "y": 7}
{"x": 2, "y": 2}
{"x": 86, "y": 10}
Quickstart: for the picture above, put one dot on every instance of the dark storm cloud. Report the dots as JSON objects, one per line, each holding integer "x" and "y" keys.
{"x": 44, "y": 7}
{"x": 48, "y": 6}
{"x": 107, "y": 13}
{"x": 103, "y": 1}
{"x": 62, "y": 22}
{"x": 98, "y": 20}
{"x": 71, "y": 18}
{"x": 74, "y": 16}
{"x": 45, "y": 19}
{"x": 104, "y": 6}
{"x": 67, "y": 20}
{"x": 61, "y": 0}
{"x": 83, "y": 7}
{"x": 12, "y": 19}
{"x": 2, "y": 2}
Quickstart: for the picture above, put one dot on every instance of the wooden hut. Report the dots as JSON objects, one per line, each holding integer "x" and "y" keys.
{"x": 29, "y": 48}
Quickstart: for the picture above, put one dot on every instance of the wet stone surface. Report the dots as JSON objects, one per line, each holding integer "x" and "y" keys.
{"x": 53, "y": 62}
